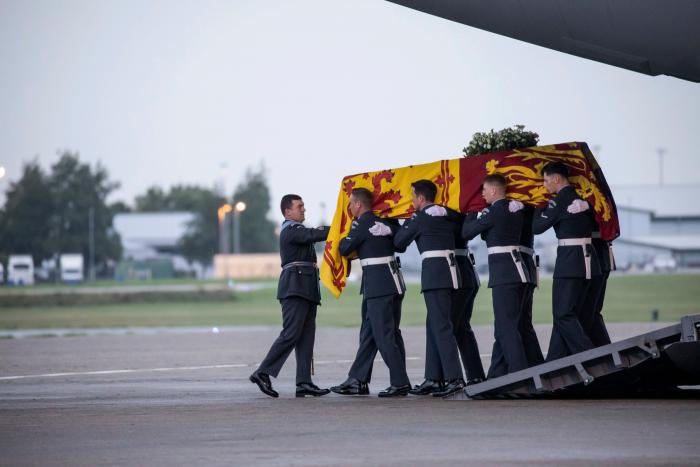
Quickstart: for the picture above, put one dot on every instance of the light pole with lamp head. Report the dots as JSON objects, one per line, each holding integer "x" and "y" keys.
{"x": 238, "y": 208}
{"x": 223, "y": 210}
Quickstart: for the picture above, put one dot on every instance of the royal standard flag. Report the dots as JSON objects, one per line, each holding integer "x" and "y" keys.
{"x": 459, "y": 187}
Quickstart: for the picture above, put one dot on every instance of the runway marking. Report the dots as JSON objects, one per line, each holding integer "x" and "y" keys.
{"x": 178, "y": 368}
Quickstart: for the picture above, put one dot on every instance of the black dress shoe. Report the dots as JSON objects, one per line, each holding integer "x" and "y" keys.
{"x": 263, "y": 382}
{"x": 451, "y": 387}
{"x": 351, "y": 387}
{"x": 427, "y": 387}
{"x": 310, "y": 389}
{"x": 475, "y": 381}
{"x": 394, "y": 391}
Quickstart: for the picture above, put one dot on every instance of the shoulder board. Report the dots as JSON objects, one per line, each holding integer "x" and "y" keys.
{"x": 291, "y": 223}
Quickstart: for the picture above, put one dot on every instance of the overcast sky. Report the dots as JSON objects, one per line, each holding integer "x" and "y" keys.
{"x": 166, "y": 92}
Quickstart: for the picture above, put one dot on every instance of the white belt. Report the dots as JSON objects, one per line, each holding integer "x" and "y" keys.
{"x": 495, "y": 250}
{"x": 375, "y": 261}
{"x": 575, "y": 241}
{"x": 449, "y": 256}
{"x": 388, "y": 260}
{"x": 582, "y": 242}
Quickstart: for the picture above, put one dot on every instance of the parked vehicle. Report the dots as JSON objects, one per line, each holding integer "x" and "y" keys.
{"x": 72, "y": 267}
{"x": 20, "y": 270}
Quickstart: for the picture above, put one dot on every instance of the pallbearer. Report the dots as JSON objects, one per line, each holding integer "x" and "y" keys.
{"x": 372, "y": 240}
{"x": 592, "y": 316}
{"x": 500, "y": 226}
{"x": 463, "y": 305}
{"x": 431, "y": 228}
{"x": 575, "y": 265}
{"x": 533, "y": 352}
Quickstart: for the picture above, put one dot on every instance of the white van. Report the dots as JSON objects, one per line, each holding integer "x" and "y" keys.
{"x": 72, "y": 267}
{"x": 20, "y": 270}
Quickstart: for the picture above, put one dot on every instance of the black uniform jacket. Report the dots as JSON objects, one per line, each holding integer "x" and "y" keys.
{"x": 431, "y": 228}
{"x": 297, "y": 244}
{"x": 498, "y": 227}
{"x": 570, "y": 259}
{"x": 464, "y": 263}
{"x": 373, "y": 237}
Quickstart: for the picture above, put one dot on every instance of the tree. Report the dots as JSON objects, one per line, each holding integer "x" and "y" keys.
{"x": 25, "y": 218}
{"x": 155, "y": 199}
{"x": 46, "y": 215}
{"x": 77, "y": 190}
{"x": 503, "y": 140}
{"x": 200, "y": 241}
{"x": 257, "y": 231}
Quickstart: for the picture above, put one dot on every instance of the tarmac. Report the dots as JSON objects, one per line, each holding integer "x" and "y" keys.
{"x": 182, "y": 397}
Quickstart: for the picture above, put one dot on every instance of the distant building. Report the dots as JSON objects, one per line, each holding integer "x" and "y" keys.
{"x": 149, "y": 240}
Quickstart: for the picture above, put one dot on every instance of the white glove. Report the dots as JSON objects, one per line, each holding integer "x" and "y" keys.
{"x": 515, "y": 206}
{"x": 436, "y": 211}
{"x": 379, "y": 229}
{"x": 578, "y": 205}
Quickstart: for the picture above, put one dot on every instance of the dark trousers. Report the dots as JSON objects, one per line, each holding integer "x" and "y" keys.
{"x": 298, "y": 333}
{"x": 380, "y": 332}
{"x": 361, "y": 368}
{"x": 533, "y": 351}
{"x": 508, "y": 354}
{"x": 461, "y": 315}
{"x": 441, "y": 354}
{"x": 568, "y": 335}
{"x": 591, "y": 312}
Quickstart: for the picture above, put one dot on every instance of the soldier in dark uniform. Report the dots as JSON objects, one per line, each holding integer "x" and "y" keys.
{"x": 598, "y": 332}
{"x": 500, "y": 226}
{"x": 298, "y": 291}
{"x": 533, "y": 351}
{"x": 463, "y": 305}
{"x": 575, "y": 265}
{"x": 591, "y": 311}
{"x": 372, "y": 240}
{"x": 431, "y": 228}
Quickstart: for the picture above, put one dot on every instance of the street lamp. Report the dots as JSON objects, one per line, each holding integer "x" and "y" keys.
{"x": 237, "y": 210}
{"x": 223, "y": 210}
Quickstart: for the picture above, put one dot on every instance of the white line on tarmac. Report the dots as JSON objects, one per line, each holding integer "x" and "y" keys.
{"x": 179, "y": 368}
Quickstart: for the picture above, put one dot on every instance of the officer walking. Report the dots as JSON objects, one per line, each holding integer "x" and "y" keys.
{"x": 372, "y": 239}
{"x": 299, "y": 293}
{"x": 575, "y": 265}
{"x": 431, "y": 228}
{"x": 500, "y": 226}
